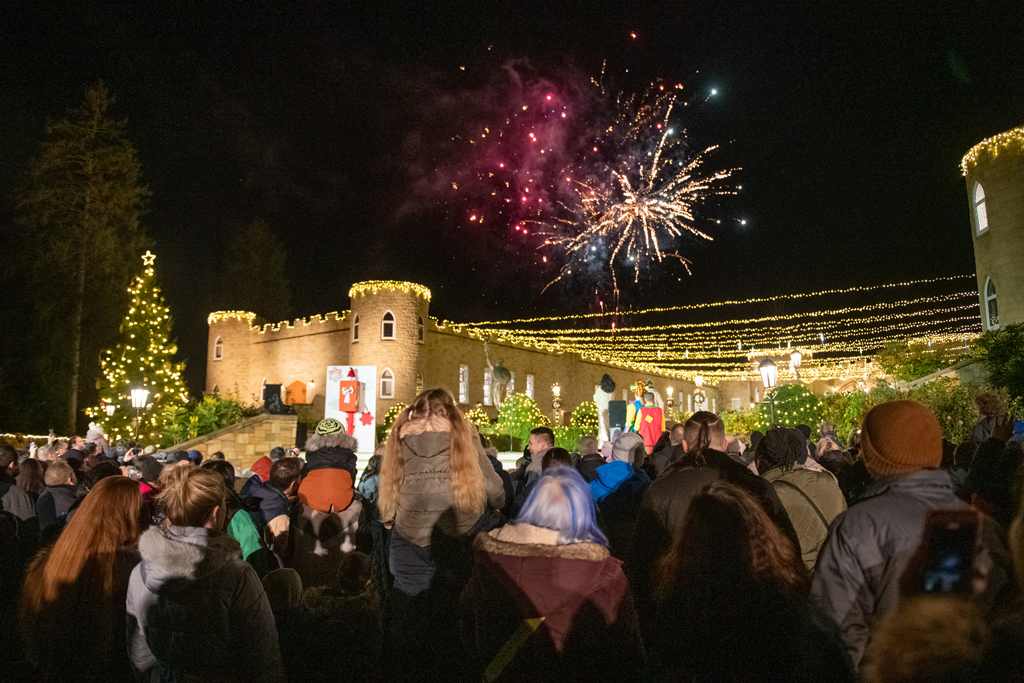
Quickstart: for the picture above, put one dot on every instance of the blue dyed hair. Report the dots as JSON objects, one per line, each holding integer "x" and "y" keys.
{"x": 561, "y": 501}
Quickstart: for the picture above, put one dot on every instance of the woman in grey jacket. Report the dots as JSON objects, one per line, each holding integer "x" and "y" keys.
{"x": 196, "y": 610}
{"x": 437, "y": 489}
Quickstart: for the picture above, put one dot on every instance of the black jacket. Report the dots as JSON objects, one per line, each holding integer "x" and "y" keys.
{"x": 334, "y": 458}
{"x": 54, "y": 503}
{"x": 588, "y": 466}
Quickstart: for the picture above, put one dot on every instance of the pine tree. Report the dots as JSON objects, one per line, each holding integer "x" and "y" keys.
{"x": 256, "y": 276}
{"x": 79, "y": 210}
{"x": 143, "y": 358}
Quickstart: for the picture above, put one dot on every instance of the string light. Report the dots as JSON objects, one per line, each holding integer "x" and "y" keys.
{"x": 992, "y": 146}
{"x": 374, "y": 286}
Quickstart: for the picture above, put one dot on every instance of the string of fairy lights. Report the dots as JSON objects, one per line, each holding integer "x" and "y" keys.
{"x": 992, "y": 146}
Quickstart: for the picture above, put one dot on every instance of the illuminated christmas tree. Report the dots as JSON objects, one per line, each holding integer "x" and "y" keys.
{"x": 142, "y": 360}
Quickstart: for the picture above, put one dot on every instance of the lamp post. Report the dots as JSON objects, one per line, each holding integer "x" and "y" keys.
{"x": 110, "y": 408}
{"x": 768, "y": 372}
{"x": 698, "y": 396}
{"x": 556, "y": 403}
{"x": 668, "y": 401}
{"x": 794, "y": 359}
{"x": 139, "y": 397}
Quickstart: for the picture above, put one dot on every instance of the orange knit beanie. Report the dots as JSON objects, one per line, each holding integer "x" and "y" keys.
{"x": 901, "y": 436}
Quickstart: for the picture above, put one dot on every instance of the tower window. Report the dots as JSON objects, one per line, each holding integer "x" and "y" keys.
{"x": 463, "y": 384}
{"x": 387, "y": 384}
{"x": 355, "y": 328}
{"x": 218, "y": 349}
{"x": 980, "y": 212}
{"x": 387, "y": 325}
{"x": 419, "y": 329}
{"x": 991, "y": 307}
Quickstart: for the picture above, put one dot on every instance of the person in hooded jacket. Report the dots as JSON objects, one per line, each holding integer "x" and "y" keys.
{"x": 58, "y": 499}
{"x": 619, "y": 490}
{"x": 239, "y": 524}
{"x": 437, "y": 488}
{"x": 196, "y": 610}
{"x": 270, "y": 504}
{"x": 324, "y": 526}
{"x": 546, "y": 600}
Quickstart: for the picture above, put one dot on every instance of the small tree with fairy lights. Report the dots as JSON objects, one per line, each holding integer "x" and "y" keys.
{"x": 143, "y": 358}
{"x": 519, "y": 416}
{"x": 794, "y": 405}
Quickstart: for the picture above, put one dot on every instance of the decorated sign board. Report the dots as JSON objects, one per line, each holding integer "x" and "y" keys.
{"x": 352, "y": 401}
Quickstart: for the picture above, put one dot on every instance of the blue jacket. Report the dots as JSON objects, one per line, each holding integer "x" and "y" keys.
{"x": 264, "y": 502}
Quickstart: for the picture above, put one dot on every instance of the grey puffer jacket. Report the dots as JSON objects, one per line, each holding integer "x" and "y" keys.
{"x": 425, "y": 498}
{"x": 198, "y": 612}
{"x": 868, "y": 547}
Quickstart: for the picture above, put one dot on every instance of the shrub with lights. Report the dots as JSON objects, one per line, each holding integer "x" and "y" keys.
{"x": 143, "y": 358}
{"x": 519, "y": 416}
{"x": 741, "y": 421}
{"x": 794, "y": 405}
{"x": 392, "y": 414}
{"x": 479, "y": 417}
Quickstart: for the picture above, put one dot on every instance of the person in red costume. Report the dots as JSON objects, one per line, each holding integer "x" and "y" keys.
{"x": 650, "y": 422}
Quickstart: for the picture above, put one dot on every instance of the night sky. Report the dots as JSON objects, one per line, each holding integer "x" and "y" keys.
{"x": 332, "y": 121}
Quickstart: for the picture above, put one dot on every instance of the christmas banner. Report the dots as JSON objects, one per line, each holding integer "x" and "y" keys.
{"x": 351, "y": 400}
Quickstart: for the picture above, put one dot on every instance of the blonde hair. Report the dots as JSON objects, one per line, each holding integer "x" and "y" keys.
{"x": 189, "y": 494}
{"x": 467, "y": 479}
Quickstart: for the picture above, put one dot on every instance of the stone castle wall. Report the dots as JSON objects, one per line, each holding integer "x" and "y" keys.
{"x": 247, "y": 441}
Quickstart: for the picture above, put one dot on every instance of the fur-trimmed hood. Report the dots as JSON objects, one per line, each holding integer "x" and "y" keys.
{"x": 183, "y": 553}
{"x": 524, "y": 540}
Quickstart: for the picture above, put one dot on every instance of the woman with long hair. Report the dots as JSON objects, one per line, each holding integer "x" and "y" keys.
{"x": 30, "y": 478}
{"x": 551, "y": 570}
{"x": 436, "y": 485}
{"x": 196, "y": 610}
{"x": 72, "y": 603}
{"x": 733, "y": 600}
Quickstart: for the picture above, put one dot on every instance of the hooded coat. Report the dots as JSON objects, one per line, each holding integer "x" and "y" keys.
{"x": 812, "y": 500}
{"x": 589, "y": 627}
{"x": 198, "y": 612}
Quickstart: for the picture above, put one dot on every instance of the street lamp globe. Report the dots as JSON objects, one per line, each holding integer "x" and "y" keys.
{"x": 139, "y": 397}
{"x": 768, "y": 372}
{"x": 699, "y": 381}
{"x": 110, "y": 408}
{"x": 795, "y": 358}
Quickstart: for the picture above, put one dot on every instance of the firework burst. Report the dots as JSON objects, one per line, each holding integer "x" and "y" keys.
{"x": 638, "y": 204}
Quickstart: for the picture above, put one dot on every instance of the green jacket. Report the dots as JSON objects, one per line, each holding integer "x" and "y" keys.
{"x": 794, "y": 488}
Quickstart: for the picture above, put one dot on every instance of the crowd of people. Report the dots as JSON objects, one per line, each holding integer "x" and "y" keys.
{"x": 670, "y": 553}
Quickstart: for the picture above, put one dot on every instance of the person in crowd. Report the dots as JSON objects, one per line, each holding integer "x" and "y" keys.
{"x": 733, "y": 602}
{"x": 590, "y": 459}
{"x": 650, "y": 422}
{"x": 325, "y": 523}
{"x": 669, "y": 496}
{"x": 755, "y": 437}
{"x": 993, "y": 484}
{"x": 273, "y": 511}
{"x": 994, "y": 423}
{"x": 72, "y": 604}
{"x": 261, "y": 468}
{"x": 639, "y": 388}
{"x": 812, "y": 499}
{"x": 829, "y": 455}
{"x": 217, "y": 455}
{"x": 302, "y": 647}
{"x": 59, "y": 496}
{"x": 369, "y": 479}
{"x": 551, "y": 578}
{"x": 13, "y": 498}
{"x": 146, "y": 470}
{"x": 101, "y": 470}
{"x": 506, "y": 479}
{"x": 963, "y": 456}
{"x": 672, "y": 452}
{"x": 44, "y": 453}
{"x": 436, "y": 487}
{"x": 196, "y": 610}
{"x": 59, "y": 448}
{"x": 619, "y": 490}
{"x": 541, "y": 440}
{"x": 827, "y": 430}
{"x": 868, "y": 547}
{"x": 555, "y": 456}
{"x": 239, "y": 524}
{"x": 30, "y": 478}
{"x": 347, "y": 610}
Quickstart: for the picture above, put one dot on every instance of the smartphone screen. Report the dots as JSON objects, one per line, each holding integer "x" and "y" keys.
{"x": 951, "y": 556}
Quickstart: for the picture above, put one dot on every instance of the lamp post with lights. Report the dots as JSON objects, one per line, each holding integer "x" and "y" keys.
{"x": 768, "y": 372}
{"x": 140, "y": 395}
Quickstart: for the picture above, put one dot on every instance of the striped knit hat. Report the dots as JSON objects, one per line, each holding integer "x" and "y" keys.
{"x": 901, "y": 436}
{"x": 329, "y": 426}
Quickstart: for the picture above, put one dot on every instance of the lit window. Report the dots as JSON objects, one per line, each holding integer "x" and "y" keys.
{"x": 355, "y": 328}
{"x": 511, "y": 387}
{"x": 757, "y": 395}
{"x": 689, "y": 403}
{"x": 991, "y": 308}
{"x": 714, "y": 408}
{"x": 737, "y": 404}
{"x": 980, "y": 213}
{"x": 463, "y": 384}
{"x": 419, "y": 329}
{"x": 488, "y": 383}
{"x": 387, "y": 384}
{"x": 218, "y": 349}
{"x": 529, "y": 386}
{"x": 387, "y": 326}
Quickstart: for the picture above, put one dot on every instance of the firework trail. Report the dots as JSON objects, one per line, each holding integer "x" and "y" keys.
{"x": 635, "y": 207}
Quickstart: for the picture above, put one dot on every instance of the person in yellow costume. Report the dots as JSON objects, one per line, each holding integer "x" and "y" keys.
{"x": 639, "y": 388}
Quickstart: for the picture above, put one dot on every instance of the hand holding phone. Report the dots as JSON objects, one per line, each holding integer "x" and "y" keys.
{"x": 944, "y": 562}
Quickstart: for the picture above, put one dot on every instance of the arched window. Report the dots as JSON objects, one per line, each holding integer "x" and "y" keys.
{"x": 218, "y": 349}
{"x": 263, "y": 388}
{"x": 355, "y": 328}
{"x": 419, "y": 329}
{"x": 991, "y": 307}
{"x": 980, "y": 213}
{"x": 387, "y": 384}
{"x": 387, "y": 325}
{"x": 216, "y": 390}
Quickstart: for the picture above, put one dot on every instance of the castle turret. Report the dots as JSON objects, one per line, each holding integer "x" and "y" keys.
{"x": 994, "y": 169}
{"x": 388, "y": 328}
{"x": 228, "y": 354}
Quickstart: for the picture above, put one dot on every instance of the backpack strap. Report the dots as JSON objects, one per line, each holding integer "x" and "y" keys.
{"x": 806, "y": 497}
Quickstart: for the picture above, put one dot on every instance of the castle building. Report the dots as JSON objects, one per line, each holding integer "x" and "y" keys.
{"x": 994, "y": 171}
{"x": 389, "y": 326}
